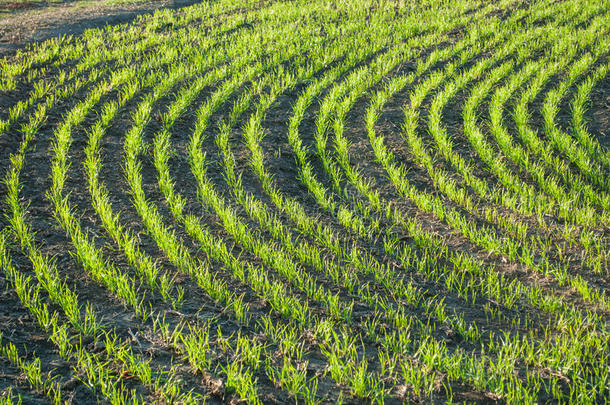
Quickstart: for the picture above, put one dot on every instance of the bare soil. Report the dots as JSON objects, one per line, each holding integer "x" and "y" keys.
{"x": 30, "y": 22}
{"x": 598, "y": 116}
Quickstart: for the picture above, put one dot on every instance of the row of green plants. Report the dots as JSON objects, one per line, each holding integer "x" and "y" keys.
{"x": 368, "y": 313}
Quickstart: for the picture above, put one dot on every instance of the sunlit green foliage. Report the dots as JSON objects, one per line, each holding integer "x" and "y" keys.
{"x": 385, "y": 202}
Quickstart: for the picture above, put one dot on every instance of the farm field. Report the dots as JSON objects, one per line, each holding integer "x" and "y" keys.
{"x": 321, "y": 201}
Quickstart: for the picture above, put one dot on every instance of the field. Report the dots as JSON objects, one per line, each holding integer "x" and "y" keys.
{"x": 310, "y": 201}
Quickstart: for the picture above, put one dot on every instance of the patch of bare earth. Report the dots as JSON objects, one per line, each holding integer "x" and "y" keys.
{"x": 31, "y": 22}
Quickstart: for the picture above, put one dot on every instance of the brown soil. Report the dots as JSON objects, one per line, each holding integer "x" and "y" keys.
{"x": 598, "y": 116}
{"x": 31, "y": 22}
